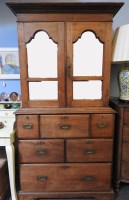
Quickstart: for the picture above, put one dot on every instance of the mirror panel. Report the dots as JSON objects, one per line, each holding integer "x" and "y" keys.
{"x": 87, "y": 90}
{"x": 42, "y": 56}
{"x": 44, "y": 90}
{"x": 89, "y": 61}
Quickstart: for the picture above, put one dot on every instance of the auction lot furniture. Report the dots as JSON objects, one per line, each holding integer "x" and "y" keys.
{"x": 65, "y": 128}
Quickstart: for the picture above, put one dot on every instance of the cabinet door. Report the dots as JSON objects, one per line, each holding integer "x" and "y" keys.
{"x": 42, "y": 64}
{"x": 88, "y": 63}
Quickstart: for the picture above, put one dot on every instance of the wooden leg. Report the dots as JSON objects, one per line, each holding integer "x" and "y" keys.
{"x": 11, "y": 168}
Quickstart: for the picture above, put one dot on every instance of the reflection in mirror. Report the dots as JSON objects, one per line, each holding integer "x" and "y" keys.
{"x": 44, "y": 90}
{"x": 89, "y": 61}
{"x": 87, "y": 89}
{"x": 42, "y": 56}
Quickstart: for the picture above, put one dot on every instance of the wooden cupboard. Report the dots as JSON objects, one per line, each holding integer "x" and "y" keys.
{"x": 121, "y": 157}
{"x": 65, "y": 127}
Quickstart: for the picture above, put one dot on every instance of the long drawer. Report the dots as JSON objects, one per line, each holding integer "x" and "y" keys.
{"x": 65, "y": 177}
{"x": 64, "y": 126}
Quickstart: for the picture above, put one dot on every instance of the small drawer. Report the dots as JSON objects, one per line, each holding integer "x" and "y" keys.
{"x": 65, "y": 177}
{"x": 126, "y": 133}
{"x": 102, "y": 125}
{"x": 125, "y": 171}
{"x": 27, "y": 126}
{"x": 96, "y": 150}
{"x": 64, "y": 126}
{"x": 125, "y": 151}
{"x": 126, "y": 116}
{"x": 40, "y": 151}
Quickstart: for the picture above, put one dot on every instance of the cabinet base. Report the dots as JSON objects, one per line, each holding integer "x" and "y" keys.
{"x": 69, "y": 195}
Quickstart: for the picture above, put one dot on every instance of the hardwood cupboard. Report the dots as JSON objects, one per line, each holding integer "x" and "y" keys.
{"x": 65, "y": 128}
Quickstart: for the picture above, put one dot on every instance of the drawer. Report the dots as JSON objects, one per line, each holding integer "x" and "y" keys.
{"x": 40, "y": 151}
{"x": 126, "y": 116}
{"x": 125, "y": 171}
{"x": 64, "y": 126}
{"x": 125, "y": 151}
{"x": 65, "y": 177}
{"x": 126, "y": 133}
{"x": 27, "y": 126}
{"x": 82, "y": 150}
{"x": 102, "y": 125}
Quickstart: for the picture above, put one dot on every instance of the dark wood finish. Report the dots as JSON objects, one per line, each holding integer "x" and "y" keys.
{"x": 102, "y": 125}
{"x": 65, "y": 146}
{"x": 65, "y": 177}
{"x": 27, "y": 126}
{"x": 4, "y": 179}
{"x": 56, "y": 7}
{"x": 41, "y": 151}
{"x": 121, "y": 155}
{"x": 64, "y": 126}
{"x": 95, "y": 150}
{"x": 64, "y": 24}
{"x": 94, "y": 194}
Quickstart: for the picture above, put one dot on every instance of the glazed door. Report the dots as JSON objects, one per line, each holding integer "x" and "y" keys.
{"x": 88, "y": 63}
{"x": 42, "y": 64}
{"x": 65, "y": 64}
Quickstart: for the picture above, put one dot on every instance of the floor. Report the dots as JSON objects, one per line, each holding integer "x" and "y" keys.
{"x": 123, "y": 194}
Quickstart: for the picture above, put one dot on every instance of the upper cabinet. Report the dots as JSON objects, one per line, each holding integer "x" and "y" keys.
{"x": 65, "y": 53}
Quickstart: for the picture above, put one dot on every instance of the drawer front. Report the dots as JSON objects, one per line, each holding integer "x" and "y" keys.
{"x": 102, "y": 125}
{"x": 126, "y": 116}
{"x": 64, "y": 126}
{"x": 65, "y": 177}
{"x": 33, "y": 151}
{"x": 27, "y": 126}
{"x": 89, "y": 150}
{"x": 126, "y": 133}
{"x": 125, "y": 171}
{"x": 125, "y": 151}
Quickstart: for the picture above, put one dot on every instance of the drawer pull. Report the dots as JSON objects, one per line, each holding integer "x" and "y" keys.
{"x": 65, "y": 127}
{"x": 28, "y": 126}
{"x": 42, "y": 178}
{"x": 101, "y": 125}
{"x": 89, "y": 178}
{"x": 42, "y": 151}
{"x": 89, "y": 151}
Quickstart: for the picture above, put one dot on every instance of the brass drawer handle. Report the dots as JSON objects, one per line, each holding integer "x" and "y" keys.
{"x": 42, "y": 151}
{"x": 28, "y": 126}
{"x": 88, "y": 178}
{"x": 65, "y": 127}
{"x": 42, "y": 178}
{"x": 89, "y": 151}
{"x": 101, "y": 125}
